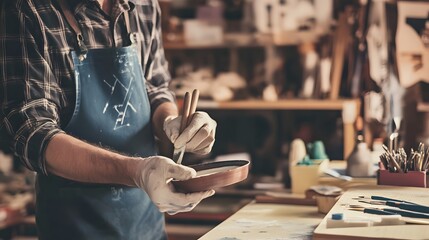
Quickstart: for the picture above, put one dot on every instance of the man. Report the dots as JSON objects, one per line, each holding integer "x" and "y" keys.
{"x": 84, "y": 89}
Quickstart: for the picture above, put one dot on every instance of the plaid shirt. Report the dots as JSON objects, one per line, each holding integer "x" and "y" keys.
{"x": 37, "y": 90}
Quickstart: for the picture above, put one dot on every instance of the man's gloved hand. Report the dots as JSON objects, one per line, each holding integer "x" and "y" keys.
{"x": 199, "y": 135}
{"x": 153, "y": 174}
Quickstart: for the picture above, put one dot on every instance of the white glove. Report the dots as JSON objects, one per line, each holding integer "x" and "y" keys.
{"x": 154, "y": 175}
{"x": 199, "y": 135}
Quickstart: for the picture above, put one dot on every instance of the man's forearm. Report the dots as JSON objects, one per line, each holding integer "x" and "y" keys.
{"x": 74, "y": 159}
{"x": 161, "y": 113}
{"x": 77, "y": 160}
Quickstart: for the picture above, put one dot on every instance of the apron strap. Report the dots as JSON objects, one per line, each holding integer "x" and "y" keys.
{"x": 127, "y": 21}
{"x": 132, "y": 35}
{"x": 71, "y": 20}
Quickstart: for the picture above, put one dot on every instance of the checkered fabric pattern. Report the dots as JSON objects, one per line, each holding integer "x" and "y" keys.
{"x": 37, "y": 89}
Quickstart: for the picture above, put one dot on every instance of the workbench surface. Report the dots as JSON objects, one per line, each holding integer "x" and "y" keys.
{"x": 280, "y": 221}
{"x": 268, "y": 221}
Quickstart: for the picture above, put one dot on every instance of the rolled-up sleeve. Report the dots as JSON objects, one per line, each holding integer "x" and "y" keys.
{"x": 157, "y": 73}
{"x": 29, "y": 92}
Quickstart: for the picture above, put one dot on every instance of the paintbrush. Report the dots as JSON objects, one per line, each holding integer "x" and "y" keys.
{"x": 426, "y": 160}
{"x": 189, "y": 108}
{"x": 403, "y": 155}
{"x": 401, "y": 205}
{"x": 384, "y": 161}
{"x": 380, "y": 198}
{"x": 391, "y": 159}
{"x": 387, "y": 211}
{"x": 411, "y": 158}
{"x": 408, "y": 206}
{"x": 421, "y": 150}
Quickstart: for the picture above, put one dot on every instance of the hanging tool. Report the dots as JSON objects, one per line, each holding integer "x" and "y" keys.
{"x": 360, "y": 48}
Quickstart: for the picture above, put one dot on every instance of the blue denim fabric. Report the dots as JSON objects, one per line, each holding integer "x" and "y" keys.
{"x": 112, "y": 111}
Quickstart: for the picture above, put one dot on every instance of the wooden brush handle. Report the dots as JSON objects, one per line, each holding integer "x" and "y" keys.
{"x": 194, "y": 102}
{"x": 185, "y": 111}
{"x": 189, "y": 108}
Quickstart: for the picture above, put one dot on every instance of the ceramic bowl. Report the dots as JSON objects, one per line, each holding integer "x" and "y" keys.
{"x": 214, "y": 175}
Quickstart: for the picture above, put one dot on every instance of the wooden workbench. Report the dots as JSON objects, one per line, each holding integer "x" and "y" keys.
{"x": 268, "y": 221}
{"x": 278, "y": 221}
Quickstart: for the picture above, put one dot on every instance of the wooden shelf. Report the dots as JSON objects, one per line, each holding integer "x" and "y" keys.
{"x": 348, "y": 107}
{"x": 284, "y": 104}
{"x": 244, "y": 40}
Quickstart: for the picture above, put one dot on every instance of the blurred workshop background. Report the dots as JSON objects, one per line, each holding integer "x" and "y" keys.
{"x": 277, "y": 75}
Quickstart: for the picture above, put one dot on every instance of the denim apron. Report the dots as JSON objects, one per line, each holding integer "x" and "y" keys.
{"x": 112, "y": 110}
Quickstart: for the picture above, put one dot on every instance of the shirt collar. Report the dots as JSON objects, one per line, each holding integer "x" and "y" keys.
{"x": 125, "y": 5}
